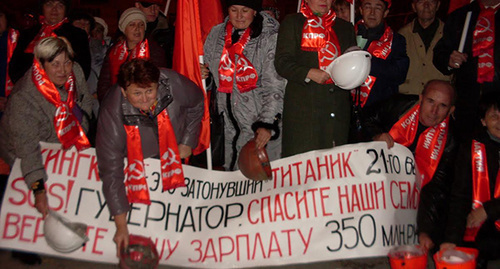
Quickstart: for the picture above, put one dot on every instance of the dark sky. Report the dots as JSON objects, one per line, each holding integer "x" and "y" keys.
{"x": 110, "y": 9}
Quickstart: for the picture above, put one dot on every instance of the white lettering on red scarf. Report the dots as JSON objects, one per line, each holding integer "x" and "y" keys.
{"x": 483, "y": 43}
{"x": 67, "y": 127}
{"x": 318, "y": 35}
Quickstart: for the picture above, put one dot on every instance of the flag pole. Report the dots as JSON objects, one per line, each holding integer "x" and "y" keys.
{"x": 209, "y": 149}
{"x": 166, "y": 8}
{"x": 353, "y": 11}
{"x": 464, "y": 31}
{"x": 298, "y": 6}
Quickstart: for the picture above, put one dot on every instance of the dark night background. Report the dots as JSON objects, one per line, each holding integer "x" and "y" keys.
{"x": 110, "y": 10}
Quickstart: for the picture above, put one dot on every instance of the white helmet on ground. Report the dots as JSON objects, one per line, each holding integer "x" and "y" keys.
{"x": 62, "y": 235}
{"x": 350, "y": 69}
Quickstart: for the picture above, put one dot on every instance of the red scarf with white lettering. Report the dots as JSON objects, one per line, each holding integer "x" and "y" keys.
{"x": 483, "y": 43}
{"x": 378, "y": 48}
{"x": 480, "y": 185}
{"x": 430, "y": 144}
{"x": 67, "y": 127}
{"x": 46, "y": 31}
{"x": 318, "y": 35}
{"x": 364, "y": 91}
{"x": 246, "y": 75}
{"x": 172, "y": 175}
{"x": 11, "y": 45}
{"x": 120, "y": 54}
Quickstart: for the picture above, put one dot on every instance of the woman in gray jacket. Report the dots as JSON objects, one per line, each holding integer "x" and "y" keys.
{"x": 55, "y": 109}
{"x": 240, "y": 55}
{"x": 149, "y": 113}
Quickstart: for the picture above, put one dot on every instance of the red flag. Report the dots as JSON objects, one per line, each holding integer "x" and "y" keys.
{"x": 210, "y": 15}
{"x": 187, "y": 49}
{"x": 455, "y": 4}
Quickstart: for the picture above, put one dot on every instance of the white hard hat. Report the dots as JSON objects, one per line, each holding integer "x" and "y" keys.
{"x": 351, "y": 69}
{"x": 62, "y": 235}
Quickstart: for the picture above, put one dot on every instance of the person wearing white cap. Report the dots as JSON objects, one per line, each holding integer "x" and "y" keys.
{"x": 132, "y": 45}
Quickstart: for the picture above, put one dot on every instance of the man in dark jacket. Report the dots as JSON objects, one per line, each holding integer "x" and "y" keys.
{"x": 158, "y": 28}
{"x": 52, "y": 21}
{"x": 388, "y": 49}
{"x": 474, "y": 75}
{"x": 422, "y": 125}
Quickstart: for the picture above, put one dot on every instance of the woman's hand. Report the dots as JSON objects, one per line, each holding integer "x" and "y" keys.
{"x": 262, "y": 136}
{"x": 184, "y": 151}
{"x": 121, "y": 234}
{"x": 317, "y": 75}
{"x": 41, "y": 203}
{"x": 204, "y": 71}
{"x": 476, "y": 217}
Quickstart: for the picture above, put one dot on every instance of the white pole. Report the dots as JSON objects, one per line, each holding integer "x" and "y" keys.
{"x": 353, "y": 11}
{"x": 464, "y": 32}
{"x": 166, "y": 8}
{"x": 209, "y": 150}
{"x": 298, "y": 6}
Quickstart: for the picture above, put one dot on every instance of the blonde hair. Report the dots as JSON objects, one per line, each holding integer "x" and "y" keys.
{"x": 49, "y": 48}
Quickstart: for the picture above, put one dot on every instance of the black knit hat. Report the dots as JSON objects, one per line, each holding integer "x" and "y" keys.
{"x": 253, "y": 4}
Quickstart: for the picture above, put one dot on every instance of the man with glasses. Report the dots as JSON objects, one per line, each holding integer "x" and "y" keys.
{"x": 158, "y": 28}
{"x": 422, "y": 35}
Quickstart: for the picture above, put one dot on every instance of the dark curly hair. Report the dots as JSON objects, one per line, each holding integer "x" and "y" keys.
{"x": 138, "y": 71}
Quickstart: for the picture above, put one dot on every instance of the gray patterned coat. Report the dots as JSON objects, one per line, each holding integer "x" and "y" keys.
{"x": 28, "y": 120}
{"x": 261, "y": 105}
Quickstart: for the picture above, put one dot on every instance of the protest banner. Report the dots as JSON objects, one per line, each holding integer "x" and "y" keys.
{"x": 351, "y": 201}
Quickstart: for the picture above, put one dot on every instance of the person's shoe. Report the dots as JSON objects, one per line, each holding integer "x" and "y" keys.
{"x": 27, "y": 258}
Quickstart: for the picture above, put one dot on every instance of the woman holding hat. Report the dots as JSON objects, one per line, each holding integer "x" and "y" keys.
{"x": 316, "y": 112}
{"x": 132, "y": 45}
{"x": 150, "y": 112}
{"x": 240, "y": 55}
{"x": 50, "y": 103}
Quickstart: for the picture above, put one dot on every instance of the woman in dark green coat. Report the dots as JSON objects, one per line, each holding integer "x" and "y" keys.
{"x": 316, "y": 113}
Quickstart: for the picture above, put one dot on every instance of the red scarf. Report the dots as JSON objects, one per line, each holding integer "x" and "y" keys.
{"x": 318, "y": 35}
{"x": 381, "y": 49}
{"x": 46, "y": 31}
{"x": 246, "y": 75}
{"x": 172, "y": 175}
{"x": 11, "y": 45}
{"x": 483, "y": 43}
{"x": 120, "y": 54}
{"x": 67, "y": 127}
{"x": 480, "y": 185}
{"x": 364, "y": 91}
{"x": 430, "y": 144}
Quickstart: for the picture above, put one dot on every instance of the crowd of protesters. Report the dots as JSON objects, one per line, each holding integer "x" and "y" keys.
{"x": 65, "y": 80}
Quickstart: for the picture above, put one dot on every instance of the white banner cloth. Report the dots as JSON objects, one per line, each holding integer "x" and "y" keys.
{"x": 351, "y": 201}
